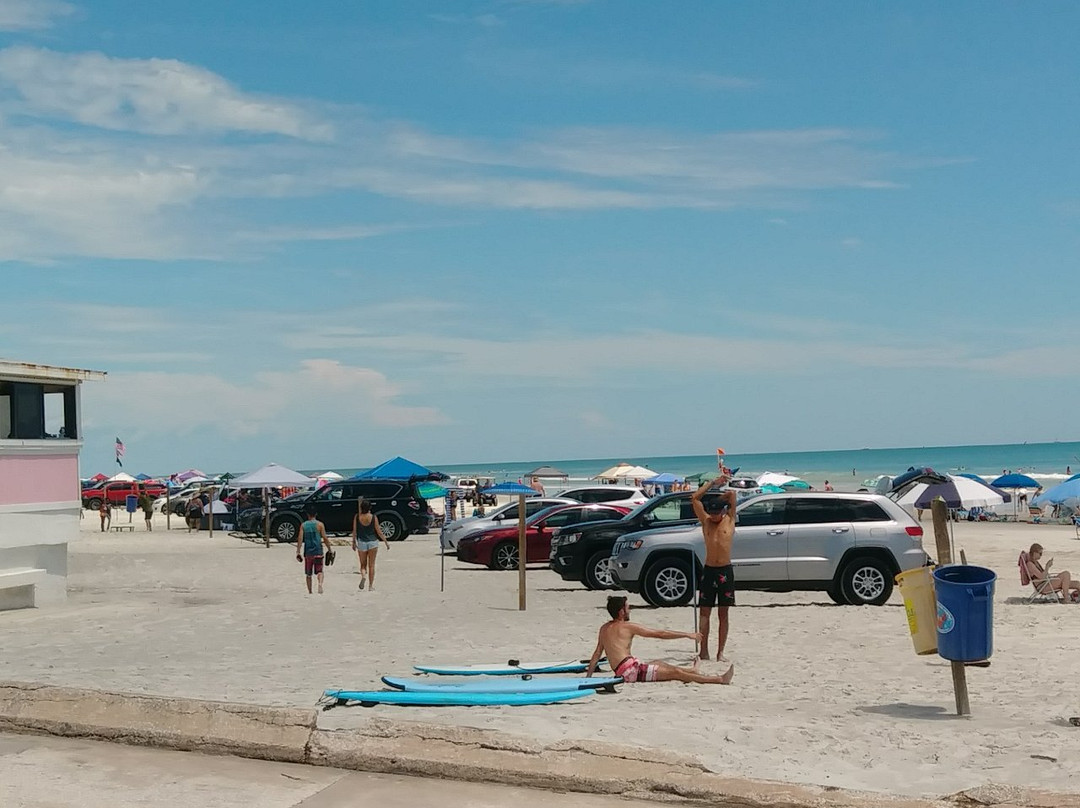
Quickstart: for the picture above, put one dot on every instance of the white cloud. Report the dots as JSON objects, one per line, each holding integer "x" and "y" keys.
{"x": 31, "y": 15}
{"x": 158, "y": 96}
{"x": 322, "y": 391}
{"x": 171, "y": 186}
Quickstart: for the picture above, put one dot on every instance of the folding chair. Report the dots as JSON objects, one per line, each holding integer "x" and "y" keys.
{"x": 1042, "y": 591}
{"x": 1036, "y": 515}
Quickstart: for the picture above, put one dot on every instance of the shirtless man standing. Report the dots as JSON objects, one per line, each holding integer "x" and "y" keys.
{"x": 716, "y": 512}
{"x": 616, "y": 637}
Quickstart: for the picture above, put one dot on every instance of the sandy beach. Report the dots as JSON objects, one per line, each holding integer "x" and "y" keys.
{"x": 823, "y": 694}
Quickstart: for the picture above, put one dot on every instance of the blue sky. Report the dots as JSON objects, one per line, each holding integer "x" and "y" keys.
{"x": 327, "y": 233}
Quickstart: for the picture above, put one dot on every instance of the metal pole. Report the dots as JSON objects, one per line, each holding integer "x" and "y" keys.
{"x": 442, "y": 552}
{"x": 694, "y": 599}
{"x": 168, "y": 506}
{"x": 210, "y": 505}
{"x": 266, "y": 515}
{"x": 522, "y": 555}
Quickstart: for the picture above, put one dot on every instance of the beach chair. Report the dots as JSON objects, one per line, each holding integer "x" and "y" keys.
{"x": 1036, "y": 515}
{"x": 1041, "y": 591}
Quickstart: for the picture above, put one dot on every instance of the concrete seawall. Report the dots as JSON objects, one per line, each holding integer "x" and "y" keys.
{"x": 459, "y": 753}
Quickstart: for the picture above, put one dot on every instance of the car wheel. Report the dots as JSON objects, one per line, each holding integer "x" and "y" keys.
{"x": 94, "y": 504}
{"x": 392, "y": 527}
{"x": 598, "y": 571}
{"x": 836, "y": 595}
{"x": 505, "y": 556}
{"x": 285, "y": 529}
{"x": 667, "y": 583}
{"x": 866, "y": 581}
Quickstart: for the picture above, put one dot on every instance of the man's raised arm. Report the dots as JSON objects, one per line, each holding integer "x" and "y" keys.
{"x": 662, "y": 633}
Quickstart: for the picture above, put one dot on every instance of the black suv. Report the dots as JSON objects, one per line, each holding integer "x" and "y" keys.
{"x": 582, "y": 552}
{"x": 397, "y": 505}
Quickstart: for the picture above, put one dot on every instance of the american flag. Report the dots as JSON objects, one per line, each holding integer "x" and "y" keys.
{"x": 119, "y": 452}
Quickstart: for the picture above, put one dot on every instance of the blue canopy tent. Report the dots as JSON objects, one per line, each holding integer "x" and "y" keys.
{"x": 663, "y": 481}
{"x": 143, "y": 477}
{"x": 398, "y": 468}
{"x": 971, "y": 476}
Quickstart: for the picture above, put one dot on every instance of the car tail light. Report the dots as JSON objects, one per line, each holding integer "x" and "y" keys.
{"x": 913, "y": 531}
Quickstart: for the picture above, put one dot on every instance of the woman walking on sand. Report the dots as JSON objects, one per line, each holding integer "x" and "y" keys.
{"x": 366, "y": 535}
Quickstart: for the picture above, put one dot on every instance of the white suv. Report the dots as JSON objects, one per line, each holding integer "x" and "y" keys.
{"x": 626, "y": 495}
{"x": 850, "y": 546}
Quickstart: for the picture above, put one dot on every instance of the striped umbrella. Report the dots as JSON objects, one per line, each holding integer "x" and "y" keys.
{"x": 958, "y": 492}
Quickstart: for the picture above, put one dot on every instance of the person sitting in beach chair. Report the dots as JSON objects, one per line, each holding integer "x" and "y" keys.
{"x": 1045, "y": 584}
{"x": 616, "y": 637}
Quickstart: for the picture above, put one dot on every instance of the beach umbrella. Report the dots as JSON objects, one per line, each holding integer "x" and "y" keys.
{"x": 511, "y": 489}
{"x": 796, "y": 484}
{"x": 958, "y": 492}
{"x": 143, "y": 477}
{"x": 1066, "y": 493}
{"x": 769, "y": 488}
{"x": 431, "y": 490}
{"x": 184, "y": 476}
{"x": 1014, "y": 481}
{"x": 980, "y": 479}
{"x": 1074, "y": 477}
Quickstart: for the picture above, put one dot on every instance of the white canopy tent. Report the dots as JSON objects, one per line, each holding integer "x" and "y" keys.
{"x": 625, "y": 471}
{"x": 272, "y": 475}
{"x": 121, "y": 477}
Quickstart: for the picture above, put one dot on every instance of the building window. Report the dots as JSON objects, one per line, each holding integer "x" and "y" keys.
{"x": 31, "y": 411}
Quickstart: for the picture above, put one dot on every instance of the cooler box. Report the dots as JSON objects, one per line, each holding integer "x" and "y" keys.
{"x": 965, "y": 612}
{"x": 917, "y": 590}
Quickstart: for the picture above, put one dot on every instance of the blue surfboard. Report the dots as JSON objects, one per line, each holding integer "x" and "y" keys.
{"x": 454, "y": 698}
{"x": 512, "y": 668}
{"x": 503, "y": 684}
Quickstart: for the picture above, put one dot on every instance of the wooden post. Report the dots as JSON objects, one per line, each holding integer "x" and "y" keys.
{"x": 522, "y": 555}
{"x": 944, "y": 556}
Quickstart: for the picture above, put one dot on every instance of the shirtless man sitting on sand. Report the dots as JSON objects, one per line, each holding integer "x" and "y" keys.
{"x": 616, "y": 637}
{"x": 716, "y": 512}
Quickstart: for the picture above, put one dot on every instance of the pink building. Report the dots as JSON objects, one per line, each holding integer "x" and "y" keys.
{"x": 40, "y": 439}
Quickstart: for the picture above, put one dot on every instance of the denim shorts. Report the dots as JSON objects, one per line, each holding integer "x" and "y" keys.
{"x": 367, "y": 545}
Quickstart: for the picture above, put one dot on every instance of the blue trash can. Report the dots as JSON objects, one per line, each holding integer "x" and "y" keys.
{"x": 965, "y": 612}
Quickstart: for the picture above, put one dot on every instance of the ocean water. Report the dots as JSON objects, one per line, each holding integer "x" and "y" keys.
{"x": 846, "y": 469}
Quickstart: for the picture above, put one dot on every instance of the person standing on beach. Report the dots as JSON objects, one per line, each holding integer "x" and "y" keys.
{"x": 105, "y": 512}
{"x": 366, "y": 535}
{"x": 147, "y": 506}
{"x": 617, "y": 636}
{"x": 309, "y": 548}
{"x": 716, "y": 512}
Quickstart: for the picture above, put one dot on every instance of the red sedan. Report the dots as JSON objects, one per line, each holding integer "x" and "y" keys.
{"x": 498, "y": 547}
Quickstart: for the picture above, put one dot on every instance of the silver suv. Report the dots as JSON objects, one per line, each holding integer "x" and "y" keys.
{"x": 848, "y": 545}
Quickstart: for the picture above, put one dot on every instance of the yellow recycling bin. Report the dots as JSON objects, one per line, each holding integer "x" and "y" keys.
{"x": 917, "y": 590}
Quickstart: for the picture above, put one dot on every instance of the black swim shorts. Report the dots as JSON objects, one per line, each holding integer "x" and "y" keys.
{"x": 717, "y": 586}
